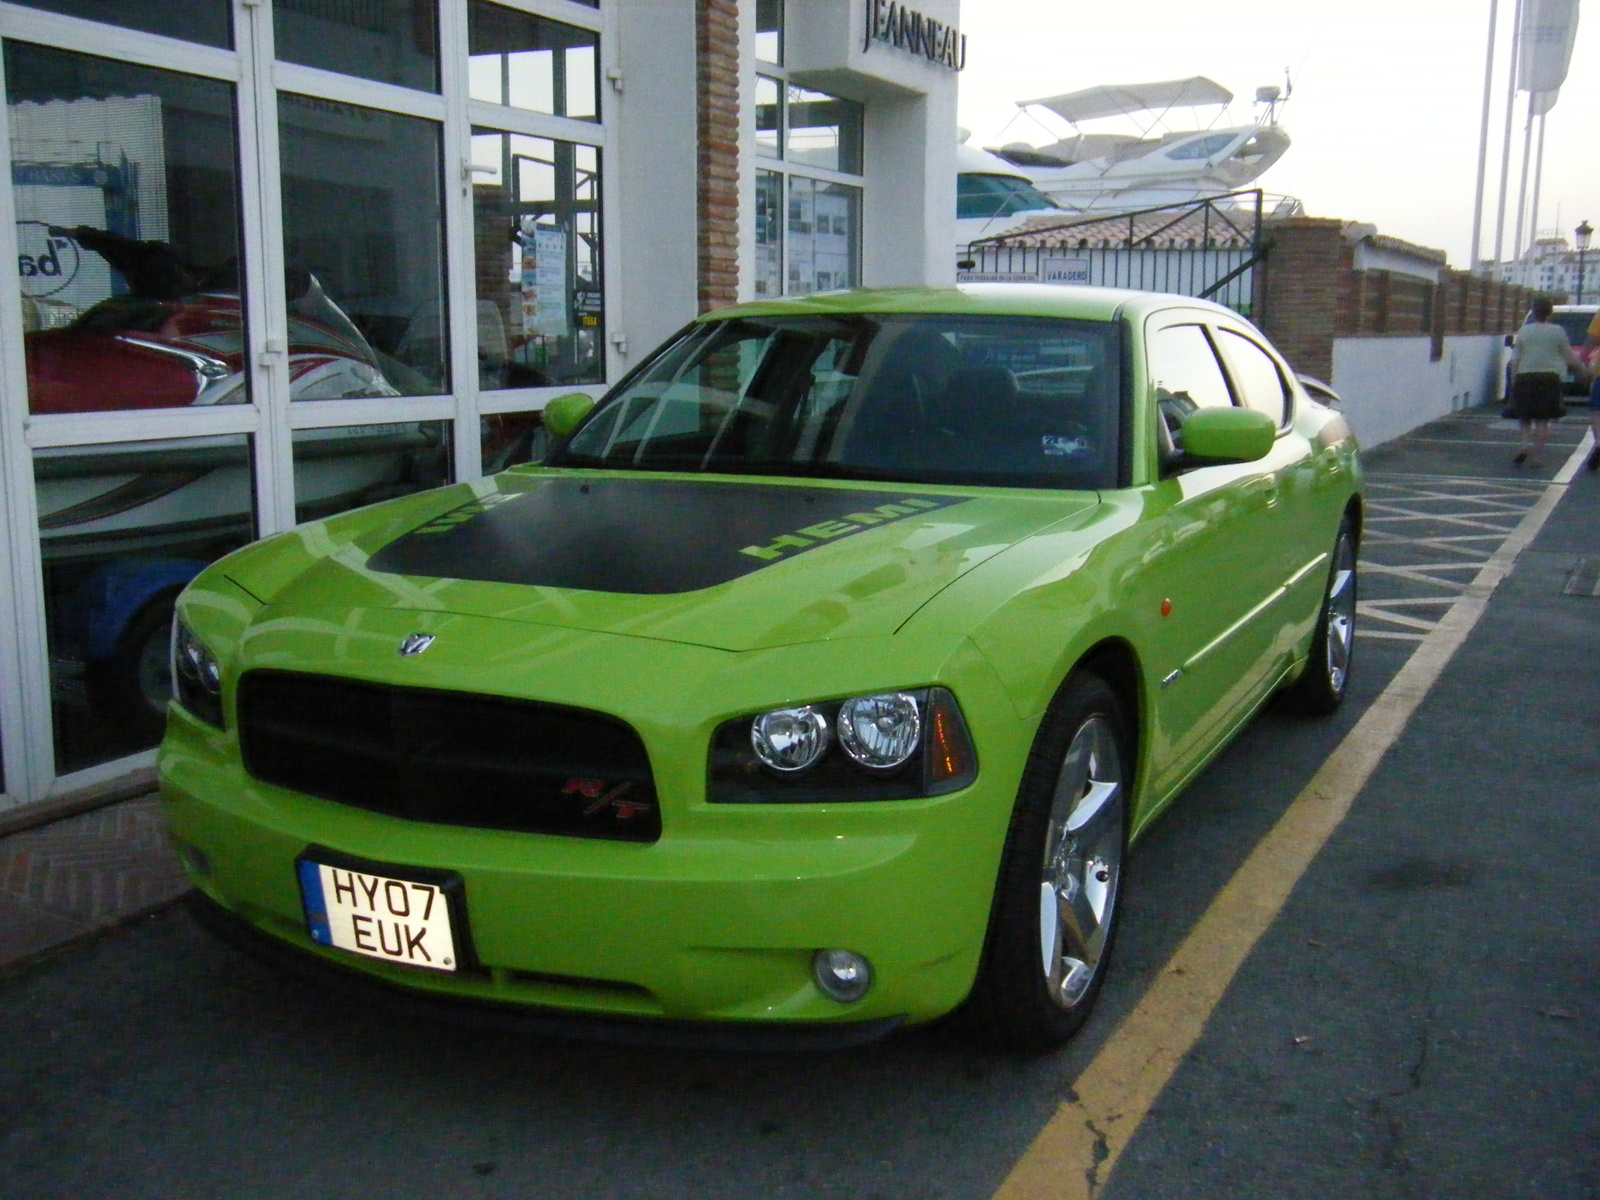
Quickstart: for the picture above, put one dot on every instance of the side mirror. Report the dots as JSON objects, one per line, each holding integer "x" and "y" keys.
{"x": 565, "y": 413}
{"x": 1226, "y": 435}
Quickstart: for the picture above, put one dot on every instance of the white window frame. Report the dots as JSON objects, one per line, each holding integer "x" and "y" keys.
{"x": 271, "y": 418}
{"x": 752, "y": 161}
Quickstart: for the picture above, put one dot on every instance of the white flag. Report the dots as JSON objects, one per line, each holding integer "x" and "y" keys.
{"x": 1549, "y": 28}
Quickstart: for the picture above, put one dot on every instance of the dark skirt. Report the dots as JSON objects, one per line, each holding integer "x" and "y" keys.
{"x": 1536, "y": 397}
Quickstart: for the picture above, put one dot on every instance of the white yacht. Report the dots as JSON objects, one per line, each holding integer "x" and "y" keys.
{"x": 1088, "y": 170}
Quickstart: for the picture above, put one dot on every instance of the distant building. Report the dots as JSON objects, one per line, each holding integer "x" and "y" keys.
{"x": 1551, "y": 266}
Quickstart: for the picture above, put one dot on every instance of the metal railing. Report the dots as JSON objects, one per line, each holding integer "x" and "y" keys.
{"x": 1207, "y": 248}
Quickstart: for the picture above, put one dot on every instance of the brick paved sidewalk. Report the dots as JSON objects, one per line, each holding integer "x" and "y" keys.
{"x": 74, "y": 876}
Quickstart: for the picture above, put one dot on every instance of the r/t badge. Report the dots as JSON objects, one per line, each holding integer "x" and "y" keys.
{"x": 415, "y": 644}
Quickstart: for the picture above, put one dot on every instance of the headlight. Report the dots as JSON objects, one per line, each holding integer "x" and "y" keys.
{"x": 880, "y": 731}
{"x": 789, "y": 739}
{"x": 884, "y": 746}
{"x": 196, "y": 675}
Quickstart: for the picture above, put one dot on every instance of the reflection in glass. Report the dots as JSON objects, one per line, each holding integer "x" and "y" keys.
{"x": 769, "y": 30}
{"x": 769, "y": 234}
{"x": 512, "y": 438}
{"x": 769, "y": 118}
{"x": 363, "y": 242}
{"x": 127, "y": 199}
{"x": 536, "y": 228}
{"x": 824, "y": 131}
{"x": 392, "y": 41}
{"x": 531, "y": 62}
{"x": 348, "y": 466}
{"x": 123, "y": 528}
{"x": 824, "y": 233}
{"x": 206, "y": 21}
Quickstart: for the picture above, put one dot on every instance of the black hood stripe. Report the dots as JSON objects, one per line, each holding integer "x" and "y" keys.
{"x": 639, "y": 536}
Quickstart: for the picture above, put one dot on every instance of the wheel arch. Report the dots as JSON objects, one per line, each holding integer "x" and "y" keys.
{"x": 1115, "y": 660}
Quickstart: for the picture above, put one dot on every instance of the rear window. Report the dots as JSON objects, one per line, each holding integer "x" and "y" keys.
{"x": 1575, "y": 323}
{"x": 1009, "y": 401}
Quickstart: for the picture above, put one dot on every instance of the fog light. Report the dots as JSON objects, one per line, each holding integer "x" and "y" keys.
{"x": 842, "y": 975}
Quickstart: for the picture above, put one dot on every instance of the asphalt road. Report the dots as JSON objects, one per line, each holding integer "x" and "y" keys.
{"x": 1419, "y": 1020}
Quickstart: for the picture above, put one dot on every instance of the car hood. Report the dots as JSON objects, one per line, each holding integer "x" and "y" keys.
{"x": 729, "y": 563}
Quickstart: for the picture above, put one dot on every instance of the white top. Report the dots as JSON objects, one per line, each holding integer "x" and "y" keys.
{"x": 1126, "y": 99}
{"x": 1542, "y": 347}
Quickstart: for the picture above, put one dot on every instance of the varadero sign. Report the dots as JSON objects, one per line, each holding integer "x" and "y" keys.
{"x": 892, "y": 22}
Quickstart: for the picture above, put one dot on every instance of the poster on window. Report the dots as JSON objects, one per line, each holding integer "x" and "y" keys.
{"x": 545, "y": 307}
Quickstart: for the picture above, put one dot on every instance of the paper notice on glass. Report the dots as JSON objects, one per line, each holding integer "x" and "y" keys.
{"x": 546, "y": 308}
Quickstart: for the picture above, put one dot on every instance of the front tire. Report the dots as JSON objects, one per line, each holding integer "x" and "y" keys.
{"x": 1060, "y": 884}
{"x": 130, "y": 690}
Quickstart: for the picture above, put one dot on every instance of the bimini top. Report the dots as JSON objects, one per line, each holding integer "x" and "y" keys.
{"x": 1123, "y": 99}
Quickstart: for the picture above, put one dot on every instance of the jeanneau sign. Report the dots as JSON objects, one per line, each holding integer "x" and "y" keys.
{"x": 892, "y": 22}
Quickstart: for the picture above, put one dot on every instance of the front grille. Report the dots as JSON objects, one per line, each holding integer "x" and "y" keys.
{"x": 453, "y": 758}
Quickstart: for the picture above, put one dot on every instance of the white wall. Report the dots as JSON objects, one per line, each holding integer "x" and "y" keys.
{"x": 908, "y": 229}
{"x": 1389, "y": 385}
{"x": 649, "y": 174}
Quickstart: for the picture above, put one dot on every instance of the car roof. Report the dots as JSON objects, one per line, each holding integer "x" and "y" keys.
{"x": 983, "y": 299}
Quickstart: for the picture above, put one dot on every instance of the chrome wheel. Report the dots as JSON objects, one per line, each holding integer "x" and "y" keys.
{"x": 1340, "y": 610}
{"x": 1321, "y": 686}
{"x": 1082, "y": 862}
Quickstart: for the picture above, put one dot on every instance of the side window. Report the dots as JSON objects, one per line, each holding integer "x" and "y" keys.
{"x": 1186, "y": 375}
{"x": 1255, "y": 374}
{"x": 1183, "y": 365}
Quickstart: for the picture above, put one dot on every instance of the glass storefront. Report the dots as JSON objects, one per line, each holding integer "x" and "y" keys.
{"x": 526, "y": 61}
{"x": 824, "y": 235}
{"x": 126, "y": 187}
{"x": 160, "y": 386}
{"x": 823, "y": 130}
{"x": 209, "y": 22}
{"x": 807, "y": 229}
{"x": 122, "y": 529}
{"x": 536, "y": 237}
{"x": 511, "y": 438}
{"x": 391, "y": 41}
{"x": 769, "y": 223}
{"x": 348, "y": 466}
{"x": 363, "y": 239}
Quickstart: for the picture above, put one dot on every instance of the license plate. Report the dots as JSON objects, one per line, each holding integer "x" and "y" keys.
{"x": 397, "y": 920}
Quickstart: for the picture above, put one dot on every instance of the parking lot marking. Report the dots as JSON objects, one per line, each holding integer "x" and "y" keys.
{"x": 1406, "y": 519}
{"x": 1074, "y": 1154}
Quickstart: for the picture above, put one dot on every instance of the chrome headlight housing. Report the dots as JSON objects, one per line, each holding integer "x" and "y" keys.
{"x": 196, "y": 675}
{"x": 899, "y": 745}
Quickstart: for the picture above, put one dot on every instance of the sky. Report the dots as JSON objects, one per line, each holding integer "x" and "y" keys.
{"x": 1386, "y": 108}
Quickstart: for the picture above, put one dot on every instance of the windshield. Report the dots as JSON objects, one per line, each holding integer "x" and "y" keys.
{"x": 997, "y": 196}
{"x": 1010, "y": 401}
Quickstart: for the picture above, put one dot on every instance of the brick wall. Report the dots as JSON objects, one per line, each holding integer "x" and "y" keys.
{"x": 1298, "y": 293}
{"x": 1309, "y": 293}
{"x": 717, "y": 86}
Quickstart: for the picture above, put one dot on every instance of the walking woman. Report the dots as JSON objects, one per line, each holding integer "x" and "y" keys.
{"x": 1541, "y": 354}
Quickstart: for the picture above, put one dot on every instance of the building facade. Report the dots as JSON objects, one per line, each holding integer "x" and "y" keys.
{"x": 1555, "y": 269}
{"x": 276, "y": 259}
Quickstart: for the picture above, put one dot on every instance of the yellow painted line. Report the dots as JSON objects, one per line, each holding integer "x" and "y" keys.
{"x": 1074, "y": 1154}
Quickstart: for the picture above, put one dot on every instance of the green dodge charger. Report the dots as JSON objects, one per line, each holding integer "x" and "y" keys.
{"x": 817, "y": 682}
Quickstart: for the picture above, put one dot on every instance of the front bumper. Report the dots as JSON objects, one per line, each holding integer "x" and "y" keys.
{"x": 715, "y": 922}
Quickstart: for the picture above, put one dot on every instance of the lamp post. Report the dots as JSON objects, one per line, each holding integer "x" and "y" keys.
{"x": 1584, "y": 232}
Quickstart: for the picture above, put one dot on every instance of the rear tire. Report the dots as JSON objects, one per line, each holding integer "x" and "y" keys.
{"x": 1060, "y": 884}
{"x": 1322, "y": 685}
